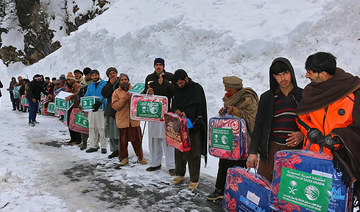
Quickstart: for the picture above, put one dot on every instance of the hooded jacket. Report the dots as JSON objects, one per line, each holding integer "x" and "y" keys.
{"x": 262, "y": 129}
{"x": 34, "y": 90}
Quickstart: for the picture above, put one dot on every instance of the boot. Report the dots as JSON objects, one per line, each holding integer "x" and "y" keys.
{"x": 193, "y": 185}
{"x": 178, "y": 179}
{"x": 124, "y": 161}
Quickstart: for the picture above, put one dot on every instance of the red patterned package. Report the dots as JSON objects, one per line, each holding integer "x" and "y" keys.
{"x": 176, "y": 132}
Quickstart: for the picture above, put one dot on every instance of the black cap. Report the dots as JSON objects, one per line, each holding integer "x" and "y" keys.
{"x": 87, "y": 70}
{"x": 94, "y": 72}
{"x": 159, "y": 60}
{"x": 78, "y": 71}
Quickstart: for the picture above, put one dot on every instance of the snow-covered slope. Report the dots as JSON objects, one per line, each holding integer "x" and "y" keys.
{"x": 209, "y": 39}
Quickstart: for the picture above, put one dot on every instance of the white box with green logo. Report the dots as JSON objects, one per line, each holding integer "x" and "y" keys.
{"x": 88, "y": 101}
{"x": 60, "y": 101}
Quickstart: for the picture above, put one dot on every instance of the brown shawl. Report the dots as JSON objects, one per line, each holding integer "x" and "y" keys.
{"x": 318, "y": 95}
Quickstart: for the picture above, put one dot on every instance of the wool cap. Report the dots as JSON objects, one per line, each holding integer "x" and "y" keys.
{"x": 233, "y": 82}
{"x": 87, "y": 70}
{"x": 70, "y": 76}
{"x": 110, "y": 69}
{"x": 37, "y": 76}
{"x": 122, "y": 74}
{"x": 62, "y": 76}
{"x": 95, "y": 72}
{"x": 78, "y": 71}
{"x": 159, "y": 60}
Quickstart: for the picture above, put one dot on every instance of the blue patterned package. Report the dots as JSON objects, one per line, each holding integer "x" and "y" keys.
{"x": 246, "y": 192}
{"x": 308, "y": 181}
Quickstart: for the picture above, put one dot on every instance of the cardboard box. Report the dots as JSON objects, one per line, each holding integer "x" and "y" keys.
{"x": 60, "y": 100}
{"x": 51, "y": 107}
{"x": 138, "y": 88}
{"x": 88, "y": 101}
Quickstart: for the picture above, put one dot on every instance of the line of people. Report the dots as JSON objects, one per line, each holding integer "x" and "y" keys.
{"x": 325, "y": 113}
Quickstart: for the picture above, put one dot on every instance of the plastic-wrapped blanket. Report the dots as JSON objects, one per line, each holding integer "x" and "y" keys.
{"x": 245, "y": 191}
{"x": 176, "y": 132}
{"x": 308, "y": 181}
{"x": 79, "y": 121}
{"x": 227, "y": 138}
{"x": 148, "y": 107}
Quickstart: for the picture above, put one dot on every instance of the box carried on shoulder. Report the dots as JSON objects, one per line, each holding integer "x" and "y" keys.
{"x": 307, "y": 181}
{"x": 176, "y": 132}
{"x": 146, "y": 107}
{"x": 227, "y": 137}
{"x": 245, "y": 191}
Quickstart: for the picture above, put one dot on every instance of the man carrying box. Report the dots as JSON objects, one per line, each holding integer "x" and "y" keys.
{"x": 96, "y": 118}
{"x": 72, "y": 87}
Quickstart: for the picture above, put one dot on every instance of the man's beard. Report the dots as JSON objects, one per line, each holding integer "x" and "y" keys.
{"x": 125, "y": 86}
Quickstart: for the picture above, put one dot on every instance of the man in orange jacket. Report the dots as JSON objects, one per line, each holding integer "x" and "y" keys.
{"x": 329, "y": 112}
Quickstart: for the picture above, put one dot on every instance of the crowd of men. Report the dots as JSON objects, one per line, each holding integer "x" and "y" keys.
{"x": 324, "y": 115}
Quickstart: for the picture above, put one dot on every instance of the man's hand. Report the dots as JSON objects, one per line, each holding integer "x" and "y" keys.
{"x": 294, "y": 139}
{"x": 150, "y": 90}
{"x": 230, "y": 109}
{"x": 96, "y": 106}
{"x": 67, "y": 98}
{"x": 113, "y": 79}
{"x": 251, "y": 161}
{"x": 179, "y": 113}
{"x": 221, "y": 111}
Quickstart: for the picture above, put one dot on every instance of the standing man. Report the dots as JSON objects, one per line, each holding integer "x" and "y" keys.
{"x": 78, "y": 76}
{"x": 33, "y": 96}
{"x": 275, "y": 125}
{"x": 190, "y": 102}
{"x": 1, "y": 86}
{"x": 81, "y": 93}
{"x": 129, "y": 130}
{"x": 242, "y": 103}
{"x": 111, "y": 130}
{"x": 72, "y": 87}
{"x": 329, "y": 113}
{"x": 96, "y": 117}
{"x": 159, "y": 83}
{"x": 11, "y": 91}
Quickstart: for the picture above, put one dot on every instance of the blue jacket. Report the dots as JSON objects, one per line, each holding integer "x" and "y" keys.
{"x": 96, "y": 91}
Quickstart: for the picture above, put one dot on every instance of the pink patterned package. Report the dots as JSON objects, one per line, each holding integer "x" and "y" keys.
{"x": 227, "y": 138}
{"x": 146, "y": 107}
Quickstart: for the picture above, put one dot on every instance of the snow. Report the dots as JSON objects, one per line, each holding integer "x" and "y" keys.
{"x": 207, "y": 38}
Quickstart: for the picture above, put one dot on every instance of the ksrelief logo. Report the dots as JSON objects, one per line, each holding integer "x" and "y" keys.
{"x": 311, "y": 192}
{"x": 292, "y": 187}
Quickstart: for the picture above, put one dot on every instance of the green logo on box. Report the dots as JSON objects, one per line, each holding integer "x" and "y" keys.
{"x": 137, "y": 88}
{"x": 81, "y": 120}
{"x": 149, "y": 109}
{"x": 307, "y": 190}
{"x": 222, "y": 138}
{"x": 51, "y": 107}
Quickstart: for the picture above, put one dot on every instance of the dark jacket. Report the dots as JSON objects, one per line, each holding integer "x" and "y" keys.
{"x": 107, "y": 93}
{"x": 34, "y": 90}
{"x": 165, "y": 89}
{"x": 261, "y": 133}
{"x": 1, "y": 86}
{"x": 191, "y": 100}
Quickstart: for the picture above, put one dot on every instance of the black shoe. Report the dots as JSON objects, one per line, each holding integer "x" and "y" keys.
{"x": 103, "y": 151}
{"x": 118, "y": 166}
{"x": 152, "y": 168}
{"x": 70, "y": 142}
{"x": 217, "y": 194}
{"x": 113, "y": 154}
{"x": 92, "y": 150}
{"x": 172, "y": 172}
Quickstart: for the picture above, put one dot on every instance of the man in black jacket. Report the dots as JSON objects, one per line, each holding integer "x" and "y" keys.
{"x": 159, "y": 83}
{"x": 189, "y": 101}
{"x": 33, "y": 96}
{"x": 111, "y": 130}
{"x": 275, "y": 126}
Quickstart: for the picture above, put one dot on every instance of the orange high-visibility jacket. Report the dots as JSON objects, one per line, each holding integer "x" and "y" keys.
{"x": 336, "y": 115}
